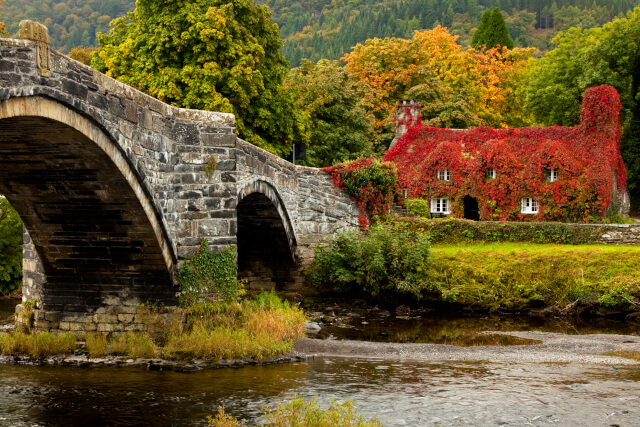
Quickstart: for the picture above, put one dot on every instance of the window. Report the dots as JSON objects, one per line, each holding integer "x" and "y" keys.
{"x": 490, "y": 173}
{"x": 444, "y": 174}
{"x": 529, "y": 205}
{"x": 440, "y": 206}
{"x": 551, "y": 175}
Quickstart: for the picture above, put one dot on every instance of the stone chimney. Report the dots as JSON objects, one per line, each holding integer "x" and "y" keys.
{"x": 407, "y": 113}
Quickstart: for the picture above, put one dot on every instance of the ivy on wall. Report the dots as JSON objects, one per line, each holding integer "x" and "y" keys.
{"x": 209, "y": 276}
{"x": 587, "y": 157}
{"x": 369, "y": 182}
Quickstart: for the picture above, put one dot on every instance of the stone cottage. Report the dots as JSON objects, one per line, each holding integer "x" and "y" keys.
{"x": 556, "y": 173}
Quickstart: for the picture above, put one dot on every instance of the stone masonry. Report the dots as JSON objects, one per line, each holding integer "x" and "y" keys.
{"x": 116, "y": 189}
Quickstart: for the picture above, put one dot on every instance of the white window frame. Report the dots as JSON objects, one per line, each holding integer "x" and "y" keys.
{"x": 552, "y": 175}
{"x": 529, "y": 206}
{"x": 491, "y": 173}
{"x": 440, "y": 205}
{"x": 444, "y": 175}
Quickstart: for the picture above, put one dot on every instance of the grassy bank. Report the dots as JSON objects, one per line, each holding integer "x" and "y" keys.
{"x": 526, "y": 275}
{"x": 260, "y": 327}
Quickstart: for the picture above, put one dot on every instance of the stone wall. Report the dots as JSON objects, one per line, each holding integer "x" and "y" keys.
{"x": 624, "y": 234}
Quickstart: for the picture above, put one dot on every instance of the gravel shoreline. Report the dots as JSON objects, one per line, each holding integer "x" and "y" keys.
{"x": 555, "y": 348}
{"x": 84, "y": 361}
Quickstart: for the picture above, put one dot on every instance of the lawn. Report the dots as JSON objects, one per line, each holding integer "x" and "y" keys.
{"x": 522, "y": 275}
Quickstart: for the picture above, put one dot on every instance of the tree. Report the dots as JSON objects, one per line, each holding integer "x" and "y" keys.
{"x": 218, "y": 55}
{"x": 10, "y": 248}
{"x": 582, "y": 59}
{"x": 3, "y": 32}
{"x": 82, "y": 54}
{"x": 341, "y": 128}
{"x": 492, "y": 31}
{"x": 484, "y": 85}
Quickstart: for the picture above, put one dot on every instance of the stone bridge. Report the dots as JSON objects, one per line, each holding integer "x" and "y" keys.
{"x": 116, "y": 188}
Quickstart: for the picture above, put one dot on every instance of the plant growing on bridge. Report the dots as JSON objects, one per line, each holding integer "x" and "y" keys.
{"x": 209, "y": 276}
{"x": 369, "y": 182}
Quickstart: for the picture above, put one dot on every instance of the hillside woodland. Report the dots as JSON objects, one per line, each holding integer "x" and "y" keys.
{"x": 327, "y": 29}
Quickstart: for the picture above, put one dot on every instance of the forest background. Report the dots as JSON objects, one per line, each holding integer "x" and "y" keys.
{"x": 348, "y": 61}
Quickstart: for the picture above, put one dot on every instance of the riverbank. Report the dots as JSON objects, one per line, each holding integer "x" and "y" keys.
{"x": 259, "y": 328}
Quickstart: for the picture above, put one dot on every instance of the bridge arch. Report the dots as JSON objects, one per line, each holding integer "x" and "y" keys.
{"x": 95, "y": 228}
{"x": 266, "y": 238}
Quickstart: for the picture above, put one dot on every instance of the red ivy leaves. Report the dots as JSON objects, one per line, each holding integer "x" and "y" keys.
{"x": 586, "y": 156}
{"x": 369, "y": 182}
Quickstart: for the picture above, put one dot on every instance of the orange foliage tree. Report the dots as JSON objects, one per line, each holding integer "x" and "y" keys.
{"x": 3, "y": 32}
{"x": 488, "y": 81}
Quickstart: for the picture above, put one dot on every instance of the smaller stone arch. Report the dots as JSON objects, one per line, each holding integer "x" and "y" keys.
{"x": 266, "y": 238}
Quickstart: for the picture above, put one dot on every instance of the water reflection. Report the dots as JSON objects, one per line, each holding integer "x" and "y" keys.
{"x": 460, "y": 329}
{"x": 7, "y": 309}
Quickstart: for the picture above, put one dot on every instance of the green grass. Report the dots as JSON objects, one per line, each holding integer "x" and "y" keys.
{"x": 37, "y": 345}
{"x": 300, "y": 412}
{"x": 521, "y": 275}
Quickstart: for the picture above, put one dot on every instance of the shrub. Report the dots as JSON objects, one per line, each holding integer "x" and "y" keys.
{"x": 10, "y": 248}
{"x": 369, "y": 182}
{"x": 388, "y": 259}
{"x": 461, "y": 230}
{"x": 209, "y": 275}
{"x": 419, "y": 207}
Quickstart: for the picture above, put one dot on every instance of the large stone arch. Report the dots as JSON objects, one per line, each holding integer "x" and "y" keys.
{"x": 266, "y": 238}
{"x": 95, "y": 227}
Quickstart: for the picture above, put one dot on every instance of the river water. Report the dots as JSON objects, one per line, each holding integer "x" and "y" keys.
{"x": 412, "y": 393}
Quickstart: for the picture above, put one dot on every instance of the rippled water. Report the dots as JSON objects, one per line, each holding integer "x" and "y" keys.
{"x": 397, "y": 393}
{"x": 413, "y": 394}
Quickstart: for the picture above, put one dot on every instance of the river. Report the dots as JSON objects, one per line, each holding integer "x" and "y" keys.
{"x": 477, "y": 393}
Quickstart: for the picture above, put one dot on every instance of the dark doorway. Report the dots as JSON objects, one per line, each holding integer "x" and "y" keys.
{"x": 471, "y": 209}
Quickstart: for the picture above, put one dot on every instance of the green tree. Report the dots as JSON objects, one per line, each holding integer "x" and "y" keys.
{"x": 218, "y": 55}
{"x": 10, "y": 248}
{"x": 492, "y": 31}
{"x": 341, "y": 129}
{"x": 582, "y": 59}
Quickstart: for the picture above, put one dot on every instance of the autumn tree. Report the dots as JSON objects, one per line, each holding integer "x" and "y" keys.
{"x": 492, "y": 31}
{"x": 586, "y": 58}
{"x": 3, "y": 32}
{"x": 218, "y": 55}
{"x": 341, "y": 129}
{"x": 82, "y": 54}
{"x": 456, "y": 87}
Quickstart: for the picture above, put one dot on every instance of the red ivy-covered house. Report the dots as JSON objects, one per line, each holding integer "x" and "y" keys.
{"x": 538, "y": 173}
